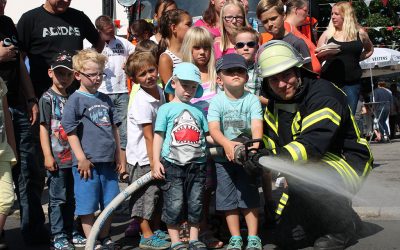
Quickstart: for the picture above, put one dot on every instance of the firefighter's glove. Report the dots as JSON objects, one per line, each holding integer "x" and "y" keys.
{"x": 252, "y": 165}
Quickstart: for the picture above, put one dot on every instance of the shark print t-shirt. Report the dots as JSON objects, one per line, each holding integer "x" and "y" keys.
{"x": 92, "y": 115}
{"x": 184, "y": 127}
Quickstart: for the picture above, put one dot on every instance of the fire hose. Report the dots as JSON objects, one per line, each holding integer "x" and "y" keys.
{"x": 241, "y": 154}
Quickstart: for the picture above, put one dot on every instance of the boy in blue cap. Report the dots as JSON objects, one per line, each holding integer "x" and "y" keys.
{"x": 180, "y": 140}
{"x": 231, "y": 113}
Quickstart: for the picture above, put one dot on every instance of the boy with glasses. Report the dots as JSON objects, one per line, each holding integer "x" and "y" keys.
{"x": 91, "y": 124}
{"x": 246, "y": 45}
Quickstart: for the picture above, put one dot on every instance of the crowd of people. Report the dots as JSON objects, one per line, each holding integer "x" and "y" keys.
{"x": 88, "y": 118}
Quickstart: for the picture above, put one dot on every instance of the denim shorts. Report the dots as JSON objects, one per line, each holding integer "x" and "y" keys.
{"x": 183, "y": 188}
{"x": 145, "y": 201}
{"x": 96, "y": 192}
{"x": 235, "y": 188}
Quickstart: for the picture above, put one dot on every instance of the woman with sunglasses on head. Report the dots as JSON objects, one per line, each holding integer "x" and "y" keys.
{"x": 272, "y": 15}
{"x": 233, "y": 16}
{"x": 296, "y": 14}
{"x": 210, "y": 18}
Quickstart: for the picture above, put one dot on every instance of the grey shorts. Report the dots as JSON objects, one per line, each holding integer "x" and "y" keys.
{"x": 235, "y": 188}
{"x": 145, "y": 201}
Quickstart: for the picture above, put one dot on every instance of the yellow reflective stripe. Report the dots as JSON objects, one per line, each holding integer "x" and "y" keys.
{"x": 341, "y": 172}
{"x": 325, "y": 113}
{"x": 279, "y": 209}
{"x": 351, "y": 174}
{"x": 269, "y": 143}
{"x": 297, "y": 151}
{"x": 270, "y": 119}
{"x": 362, "y": 141}
{"x": 284, "y": 199}
{"x": 296, "y": 125}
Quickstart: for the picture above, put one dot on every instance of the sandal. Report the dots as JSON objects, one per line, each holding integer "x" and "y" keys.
{"x": 210, "y": 241}
{"x": 124, "y": 177}
{"x": 184, "y": 232}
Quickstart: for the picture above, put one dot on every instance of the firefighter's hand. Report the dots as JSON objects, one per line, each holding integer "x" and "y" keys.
{"x": 252, "y": 166}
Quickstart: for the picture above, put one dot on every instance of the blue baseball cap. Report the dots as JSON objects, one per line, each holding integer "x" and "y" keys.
{"x": 189, "y": 72}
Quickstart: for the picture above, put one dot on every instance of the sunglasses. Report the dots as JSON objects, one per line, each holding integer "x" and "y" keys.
{"x": 240, "y": 45}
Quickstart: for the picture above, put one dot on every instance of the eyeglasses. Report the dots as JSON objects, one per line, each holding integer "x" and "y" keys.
{"x": 238, "y": 19}
{"x": 93, "y": 75}
{"x": 240, "y": 45}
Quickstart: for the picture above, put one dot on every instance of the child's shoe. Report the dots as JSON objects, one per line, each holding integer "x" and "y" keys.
{"x": 78, "y": 240}
{"x": 61, "y": 242}
{"x": 253, "y": 243}
{"x": 133, "y": 229}
{"x": 162, "y": 235}
{"x": 197, "y": 245}
{"x": 108, "y": 244}
{"x": 153, "y": 243}
{"x": 235, "y": 243}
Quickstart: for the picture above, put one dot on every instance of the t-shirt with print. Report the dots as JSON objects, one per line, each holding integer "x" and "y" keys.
{"x": 43, "y": 34}
{"x": 254, "y": 82}
{"x": 92, "y": 115}
{"x": 184, "y": 126}
{"x": 117, "y": 51}
{"x": 9, "y": 70}
{"x": 143, "y": 110}
{"x": 234, "y": 116}
{"x": 51, "y": 108}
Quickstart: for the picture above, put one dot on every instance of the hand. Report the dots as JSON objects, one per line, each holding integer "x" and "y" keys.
{"x": 50, "y": 164}
{"x": 33, "y": 109}
{"x": 119, "y": 168}
{"x": 84, "y": 168}
{"x": 158, "y": 171}
{"x": 229, "y": 149}
{"x": 7, "y": 53}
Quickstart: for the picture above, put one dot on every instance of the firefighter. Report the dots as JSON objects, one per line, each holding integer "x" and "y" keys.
{"x": 309, "y": 124}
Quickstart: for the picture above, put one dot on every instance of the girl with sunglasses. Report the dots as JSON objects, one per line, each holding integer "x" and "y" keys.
{"x": 232, "y": 17}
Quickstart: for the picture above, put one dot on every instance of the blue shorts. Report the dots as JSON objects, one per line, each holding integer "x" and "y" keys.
{"x": 235, "y": 188}
{"x": 96, "y": 192}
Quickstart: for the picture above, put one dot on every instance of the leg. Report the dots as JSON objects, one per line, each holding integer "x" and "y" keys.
{"x": 251, "y": 217}
{"x": 352, "y": 92}
{"x": 57, "y": 201}
{"x": 29, "y": 180}
{"x": 87, "y": 223}
{"x": 6, "y": 196}
{"x": 232, "y": 220}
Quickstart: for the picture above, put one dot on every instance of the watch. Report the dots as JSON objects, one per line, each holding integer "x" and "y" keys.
{"x": 33, "y": 100}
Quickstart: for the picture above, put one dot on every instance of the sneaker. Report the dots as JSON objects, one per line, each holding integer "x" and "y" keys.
{"x": 133, "y": 229}
{"x": 61, "y": 242}
{"x": 162, "y": 235}
{"x": 108, "y": 244}
{"x": 235, "y": 243}
{"x": 78, "y": 240}
{"x": 254, "y": 243}
{"x": 153, "y": 242}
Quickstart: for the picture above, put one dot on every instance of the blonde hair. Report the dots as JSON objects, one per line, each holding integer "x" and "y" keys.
{"x": 88, "y": 55}
{"x": 199, "y": 36}
{"x": 224, "y": 36}
{"x": 350, "y": 25}
{"x": 266, "y": 5}
{"x": 137, "y": 61}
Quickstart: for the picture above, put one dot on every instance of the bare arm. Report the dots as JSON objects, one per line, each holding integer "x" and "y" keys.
{"x": 256, "y": 130}
{"x": 9, "y": 126}
{"x": 149, "y": 139}
{"x": 367, "y": 45}
{"x": 322, "y": 40}
{"x": 49, "y": 162}
{"x": 84, "y": 164}
{"x": 158, "y": 169}
{"x": 165, "y": 68}
{"x": 119, "y": 167}
{"x": 220, "y": 139}
{"x": 27, "y": 89}
{"x": 99, "y": 46}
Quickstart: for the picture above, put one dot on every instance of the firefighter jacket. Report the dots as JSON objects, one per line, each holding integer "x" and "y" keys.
{"x": 317, "y": 125}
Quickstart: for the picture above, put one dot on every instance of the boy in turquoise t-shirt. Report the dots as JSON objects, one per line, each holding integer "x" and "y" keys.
{"x": 231, "y": 113}
{"x": 180, "y": 140}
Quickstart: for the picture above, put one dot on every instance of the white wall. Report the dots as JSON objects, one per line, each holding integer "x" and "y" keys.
{"x": 92, "y": 8}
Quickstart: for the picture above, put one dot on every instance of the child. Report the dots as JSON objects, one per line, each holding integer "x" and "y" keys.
{"x": 160, "y": 8}
{"x": 231, "y": 113}
{"x": 180, "y": 140}
{"x": 246, "y": 45}
{"x": 142, "y": 68}
{"x": 173, "y": 27}
{"x": 91, "y": 125}
{"x": 232, "y": 16}
{"x": 57, "y": 154}
{"x": 7, "y": 160}
{"x": 197, "y": 48}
